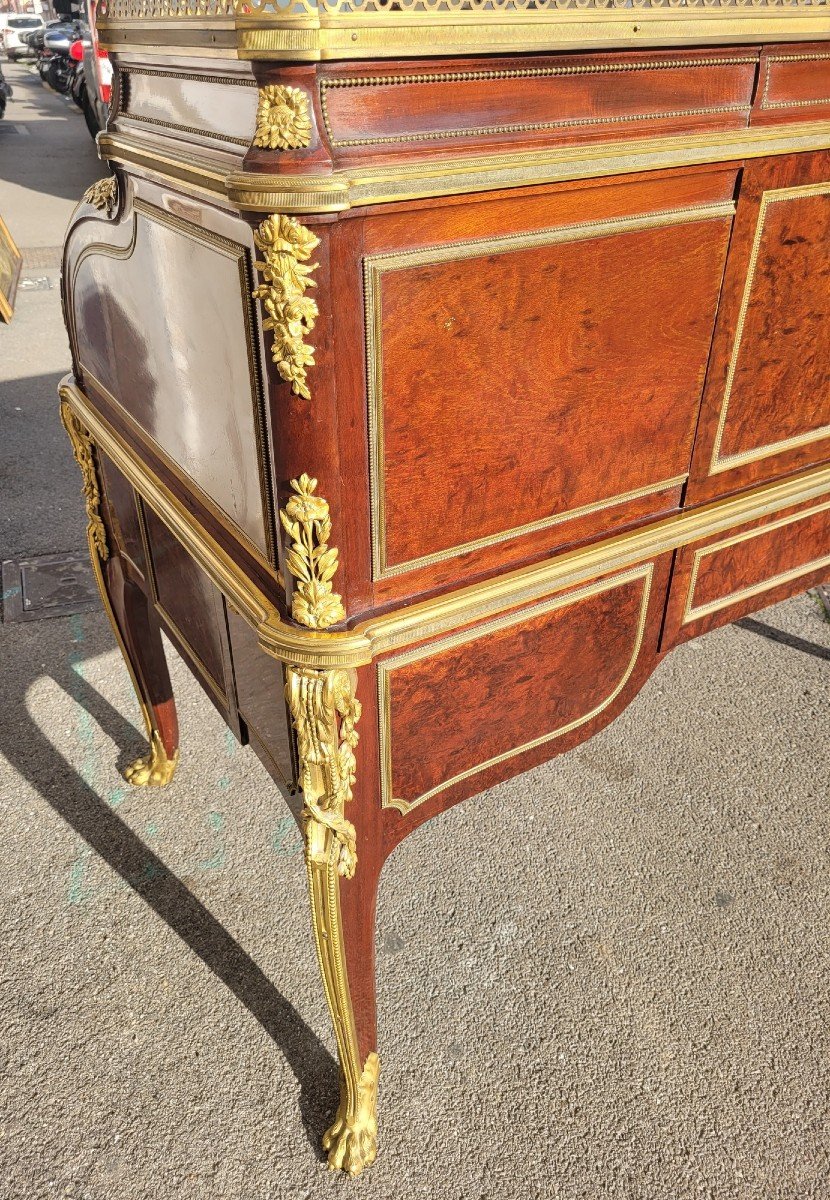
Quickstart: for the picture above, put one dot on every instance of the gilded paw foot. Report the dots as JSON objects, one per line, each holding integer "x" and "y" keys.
{"x": 352, "y": 1141}
{"x": 154, "y": 769}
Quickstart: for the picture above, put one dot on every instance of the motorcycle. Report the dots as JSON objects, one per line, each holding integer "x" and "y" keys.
{"x": 60, "y": 68}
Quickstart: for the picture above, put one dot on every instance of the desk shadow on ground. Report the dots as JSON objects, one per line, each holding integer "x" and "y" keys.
{"x": 30, "y": 753}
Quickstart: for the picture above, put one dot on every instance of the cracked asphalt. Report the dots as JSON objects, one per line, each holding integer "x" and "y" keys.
{"x": 606, "y": 978}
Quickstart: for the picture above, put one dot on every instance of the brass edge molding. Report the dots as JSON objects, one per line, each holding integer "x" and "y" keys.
{"x": 375, "y": 267}
{"x": 690, "y": 613}
{"x": 309, "y": 560}
{"x": 552, "y": 72}
{"x": 285, "y": 642}
{"x": 768, "y": 104}
{"x": 355, "y": 187}
{"x": 324, "y": 712}
{"x": 283, "y": 118}
{"x": 387, "y": 666}
{"x": 720, "y": 463}
{"x": 287, "y": 247}
{"x": 428, "y": 618}
{"x": 240, "y": 254}
{"x": 154, "y": 768}
{"x": 103, "y": 195}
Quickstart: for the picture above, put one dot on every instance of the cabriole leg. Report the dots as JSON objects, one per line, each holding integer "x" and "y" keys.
{"x": 325, "y": 711}
{"x": 134, "y": 624}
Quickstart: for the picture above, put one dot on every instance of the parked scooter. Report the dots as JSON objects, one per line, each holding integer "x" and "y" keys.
{"x": 60, "y": 70}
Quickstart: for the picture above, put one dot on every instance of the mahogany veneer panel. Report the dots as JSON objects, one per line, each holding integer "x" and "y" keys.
{"x": 516, "y": 683}
{"x": 766, "y": 407}
{"x": 122, "y": 514}
{"x": 401, "y": 106}
{"x": 723, "y": 578}
{"x": 794, "y": 84}
{"x": 516, "y": 385}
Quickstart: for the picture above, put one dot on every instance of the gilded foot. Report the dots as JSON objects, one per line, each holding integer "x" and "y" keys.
{"x": 352, "y": 1140}
{"x": 154, "y": 769}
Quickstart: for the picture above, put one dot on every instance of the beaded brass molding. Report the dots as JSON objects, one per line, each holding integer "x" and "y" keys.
{"x": 325, "y": 711}
{"x": 690, "y": 613}
{"x": 622, "y": 67}
{"x": 103, "y": 195}
{"x": 719, "y": 462}
{"x": 283, "y": 118}
{"x": 287, "y": 247}
{"x": 310, "y": 561}
{"x": 768, "y": 104}
{"x": 386, "y": 667}
{"x": 376, "y": 266}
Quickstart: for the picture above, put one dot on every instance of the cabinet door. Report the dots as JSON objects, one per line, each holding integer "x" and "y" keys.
{"x": 766, "y": 406}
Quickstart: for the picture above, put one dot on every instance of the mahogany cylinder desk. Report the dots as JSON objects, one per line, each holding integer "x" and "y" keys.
{"x": 438, "y": 366}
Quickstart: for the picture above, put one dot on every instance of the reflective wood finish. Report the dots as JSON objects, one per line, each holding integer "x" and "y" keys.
{"x": 554, "y": 424}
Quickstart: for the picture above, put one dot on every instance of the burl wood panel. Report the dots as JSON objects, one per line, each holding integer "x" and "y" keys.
{"x": 163, "y": 319}
{"x": 476, "y": 699}
{"x": 725, "y": 577}
{"x": 515, "y": 382}
{"x": 457, "y": 103}
{"x": 794, "y": 84}
{"x": 766, "y": 408}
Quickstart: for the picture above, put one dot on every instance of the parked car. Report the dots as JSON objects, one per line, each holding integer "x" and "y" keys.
{"x": 14, "y": 31}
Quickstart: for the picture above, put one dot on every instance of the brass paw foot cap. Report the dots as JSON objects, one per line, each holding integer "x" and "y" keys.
{"x": 154, "y": 769}
{"x": 352, "y": 1141}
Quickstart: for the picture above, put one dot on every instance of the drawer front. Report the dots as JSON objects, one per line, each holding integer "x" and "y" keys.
{"x": 726, "y": 577}
{"x": 766, "y": 407}
{"x": 538, "y": 383}
{"x": 486, "y": 702}
{"x": 794, "y": 84}
{"x": 403, "y": 107}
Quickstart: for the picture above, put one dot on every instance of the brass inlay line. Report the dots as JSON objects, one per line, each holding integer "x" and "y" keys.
{"x": 416, "y": 622}
{"x": 526, "y": 73}
{"x": 375, "y": 267}
{"x": 239, "y": 254}
{"x": 727, "y": 462}
{"x": 770, "y": 104}
{"x": 387, "y": 666}
{"x": 690, "y": 613}
{"x": 354, "y": 187}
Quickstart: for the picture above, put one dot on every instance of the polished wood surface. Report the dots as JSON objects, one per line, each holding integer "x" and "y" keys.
{"x": 566, "y": 423}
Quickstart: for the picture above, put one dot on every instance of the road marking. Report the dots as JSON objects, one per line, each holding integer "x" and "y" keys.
{"x": 22, "y": 130}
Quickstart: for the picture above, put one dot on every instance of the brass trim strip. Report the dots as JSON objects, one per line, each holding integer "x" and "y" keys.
{"x": 527, "y": 73}
{"x": 375, "y": 267}
{"x": 417, "y": 622}
{"x": 719, "y": 463}
{"x": 355, "y": 187}
{"x": 385, "y": 669}
{"x": 766, "y": 103}
{"x": 690, "y": 613}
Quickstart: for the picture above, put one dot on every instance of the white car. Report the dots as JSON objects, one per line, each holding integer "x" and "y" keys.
{"x": 14, "y": 26}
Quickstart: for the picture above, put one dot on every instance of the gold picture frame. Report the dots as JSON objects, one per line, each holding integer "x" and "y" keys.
{"x": 11, "y": 261}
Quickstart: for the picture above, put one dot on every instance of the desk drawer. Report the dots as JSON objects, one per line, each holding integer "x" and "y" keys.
{"x": 727, "y": 576}
{"x": 794, "y": 84}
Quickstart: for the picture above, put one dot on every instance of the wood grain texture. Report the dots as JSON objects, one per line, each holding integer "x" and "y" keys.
{"x": 455, "y": 104}
{"x": 524, "y": 384}
{"x": 722, "y": 578}
{"x": 794, "y": 84}
{"x": 770, "y": 367}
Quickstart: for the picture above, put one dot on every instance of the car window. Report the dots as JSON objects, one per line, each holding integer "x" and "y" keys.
{"x": 24, "y": 22}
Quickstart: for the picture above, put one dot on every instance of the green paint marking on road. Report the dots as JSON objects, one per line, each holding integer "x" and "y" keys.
{"x": 117, "y": 797}
{"x": 151, "y": 830}
{"x": 286, "y": 839}
{"x": 79, "y": 889}
{"x": 231, "y": 744}
{"x": 218, "y": 859}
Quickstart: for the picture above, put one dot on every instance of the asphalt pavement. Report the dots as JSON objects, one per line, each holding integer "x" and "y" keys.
{"x": 606, "y": 978}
